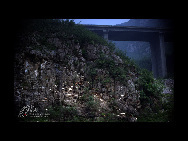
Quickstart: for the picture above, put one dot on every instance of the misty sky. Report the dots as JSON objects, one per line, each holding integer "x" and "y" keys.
{"x": 101, "y": 21}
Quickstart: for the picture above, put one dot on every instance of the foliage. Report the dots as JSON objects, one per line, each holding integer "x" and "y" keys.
{"x": 104, "y": 61}
{"x": 149, "y": 87}
{"x": 111, "y": 46}
{"x": 164, "y": 113}
{"x": 91, "y": 105}
{"x": 154, "y": 109}
{"x": 144, "y": 63}
{"x": 106, "y": 80}
{"x": 121, "y": 54}
{"x": 84, "y": 53}
{"x": 108, "y": 117}
{"x": 86, "y": 36}
{"x": 113, "y": 104}
{"x": 92, "y": 74}
{"x": 153, "y": 89}
{"x": 153, "y": 117}
{"x": 63, "y": 29}
{"x": 145, "y": 77}
{"x": 62, "y": 113}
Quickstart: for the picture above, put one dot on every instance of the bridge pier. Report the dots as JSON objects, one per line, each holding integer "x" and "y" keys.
{"x": 105, "y": 34}
{"x": 162, "y": 53}
{"x": 158, "y": 56}
{"x": 154, "y": 58}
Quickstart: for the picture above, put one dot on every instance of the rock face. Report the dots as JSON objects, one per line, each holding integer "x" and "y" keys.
{"x": 46, "y": 77}
{"x": 169, "y": 85}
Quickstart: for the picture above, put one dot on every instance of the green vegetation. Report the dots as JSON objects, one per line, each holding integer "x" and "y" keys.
{"x": 62, "y": 113}
{"x": 63, "y": 29}
{"x": 149, "y": 86}
{"x": 163, "y": 111}
{"x": 144, "y": 63}
{"x": 154, "y": 108}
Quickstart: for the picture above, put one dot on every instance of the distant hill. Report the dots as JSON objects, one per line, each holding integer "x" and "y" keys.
{"x": 148, "y": 23}
{"x": 134, "y": 49}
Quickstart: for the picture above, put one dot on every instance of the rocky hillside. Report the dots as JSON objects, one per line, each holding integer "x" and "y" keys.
{"x": 63, "y": 72}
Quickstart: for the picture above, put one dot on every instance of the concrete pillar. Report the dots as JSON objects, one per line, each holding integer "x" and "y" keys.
{"x": 158, "y": 56}
{"x": 162, "y": 55}
{"x": 105, "y": 34}
{"x": 153, "y": 46}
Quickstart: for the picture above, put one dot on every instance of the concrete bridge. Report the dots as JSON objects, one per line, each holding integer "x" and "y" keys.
{"x": 155, "y": 36}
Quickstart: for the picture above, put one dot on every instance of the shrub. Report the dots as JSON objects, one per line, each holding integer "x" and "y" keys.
{"x": 58, "y": 113}
{"x": 158, "y": 113}
{"x": 143, "y": 97}
{"x": 91, "y": 107}
{"x": 145, "y": 77}
{"x": 55, "y": 113}
{"x": 145, "y": 63}
{"x": 121, "y": 54}
{"x": 84, "y": 98}
{"x": 150, "y": 88}
{"x": 151, "y": 98}
{"x": 111, "y": 46}
{"x": 113, "y": 104}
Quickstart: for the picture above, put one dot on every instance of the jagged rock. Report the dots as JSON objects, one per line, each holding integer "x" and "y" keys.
{"x": 117, "y": 59}
{"x": 131, "y": 86}
{"x": 169, "y": 85}
{"x": 55, "y": 41}
{"x": 82, "y": 59}
{"x": 77, "y": 46}
{"x": 132, "y": 119}
{"x": 106, "y": 97}
{"x": 91, "y": 52}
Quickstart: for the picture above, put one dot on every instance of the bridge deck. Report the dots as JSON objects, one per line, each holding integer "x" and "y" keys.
{"x": 127, "y": 28}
